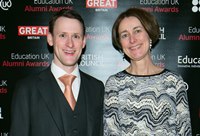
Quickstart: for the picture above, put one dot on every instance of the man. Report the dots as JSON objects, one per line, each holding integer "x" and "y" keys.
{"x": 39, "y": 106}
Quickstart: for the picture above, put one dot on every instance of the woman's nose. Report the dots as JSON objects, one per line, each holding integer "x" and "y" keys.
{"x": 132, "y": 38}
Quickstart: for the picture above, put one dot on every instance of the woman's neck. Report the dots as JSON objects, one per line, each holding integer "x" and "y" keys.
{"x": 143, "y": 68}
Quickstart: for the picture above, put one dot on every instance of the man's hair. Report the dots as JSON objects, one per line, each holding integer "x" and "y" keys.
{"x": 66, "y": 13}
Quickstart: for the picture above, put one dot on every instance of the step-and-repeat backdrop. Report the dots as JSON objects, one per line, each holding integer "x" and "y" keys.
{"x": 24, "y": 51}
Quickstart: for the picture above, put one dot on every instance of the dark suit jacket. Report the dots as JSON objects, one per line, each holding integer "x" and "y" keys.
{"x": 35, "y": 112}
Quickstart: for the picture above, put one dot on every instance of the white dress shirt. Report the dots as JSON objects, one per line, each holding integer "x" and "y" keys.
{"x": 58, "y": 72}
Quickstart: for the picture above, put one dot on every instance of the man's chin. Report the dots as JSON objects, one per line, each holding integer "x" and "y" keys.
{"x": 70, "y": 64}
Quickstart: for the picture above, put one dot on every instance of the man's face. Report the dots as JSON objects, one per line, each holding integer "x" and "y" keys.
{"x": 67, "y": 41}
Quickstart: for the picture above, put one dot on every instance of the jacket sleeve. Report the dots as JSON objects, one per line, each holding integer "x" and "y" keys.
{"x": 20, "y": 111}
{"x": 183, "y": 114}
{"x": 111, "y": 109}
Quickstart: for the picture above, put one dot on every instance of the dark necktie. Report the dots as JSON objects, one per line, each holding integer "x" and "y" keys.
{"x": 67, "y": 81}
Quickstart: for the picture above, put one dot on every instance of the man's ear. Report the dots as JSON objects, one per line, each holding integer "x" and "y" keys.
{"x": 50, "y": 39}
{"x": 84, "y": 42}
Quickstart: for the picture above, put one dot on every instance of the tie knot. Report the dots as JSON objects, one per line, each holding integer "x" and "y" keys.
{"x": 67, "y": 79}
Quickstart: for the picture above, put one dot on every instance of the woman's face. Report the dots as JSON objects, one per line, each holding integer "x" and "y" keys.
{"x": 134, "y": 39}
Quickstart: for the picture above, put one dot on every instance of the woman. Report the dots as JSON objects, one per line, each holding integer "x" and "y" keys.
{"x": 144, "y": 99}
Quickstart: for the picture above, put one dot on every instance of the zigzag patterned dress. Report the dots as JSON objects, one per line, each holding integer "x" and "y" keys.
{"x": 155, "y": 105}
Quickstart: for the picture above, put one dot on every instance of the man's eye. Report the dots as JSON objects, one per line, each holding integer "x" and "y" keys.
{"x": 62, "y": 35}
{"x": 76, "y": 36}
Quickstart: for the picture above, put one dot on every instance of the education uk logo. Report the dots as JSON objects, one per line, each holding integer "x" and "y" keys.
{"x": 5, "y": 4}
{"x": 1, "y": 117}
{"x": 196, "y": 6}
{"x": 2, "y": 32}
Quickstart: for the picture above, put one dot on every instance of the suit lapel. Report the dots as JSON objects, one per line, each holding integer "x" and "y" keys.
{"x": 94, "y": 114}
{"x": 48, "y": 86}
{"x": 85, "y": 88}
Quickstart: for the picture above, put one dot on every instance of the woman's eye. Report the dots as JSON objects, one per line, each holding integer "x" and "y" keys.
{"x": 124, "y": 35}
{"x": 137, "y": 31}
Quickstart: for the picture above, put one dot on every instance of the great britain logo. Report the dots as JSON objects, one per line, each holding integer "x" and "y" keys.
{"x": 101, "y": 3}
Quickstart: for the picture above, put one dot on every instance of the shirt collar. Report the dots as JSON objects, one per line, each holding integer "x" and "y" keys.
{"x": 58, "y": 72}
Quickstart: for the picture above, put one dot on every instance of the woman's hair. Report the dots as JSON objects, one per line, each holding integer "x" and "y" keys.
{"x": 148, "y": 21}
